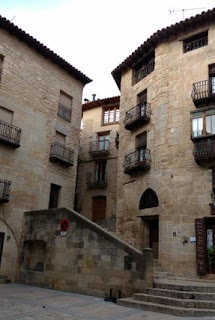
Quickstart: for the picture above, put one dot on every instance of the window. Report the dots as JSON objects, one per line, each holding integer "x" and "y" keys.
{"x": 145, "y": 68}
{"x": 6, "y": 115}
{"x": 141, "y": 141}
{"x": 195, "y": 42}
{"x": 100, "y": 174}
{"x": 211, "y": 79}
{"x": 148, "y": 199}
{"x": 142, "y": 100}
{"x": 203, "y": 123}
{"x": 60, "y": 138}
{"x": 110, "y": 115}
{"x": 65, "y": 107}
{"x": 103, "y": 141}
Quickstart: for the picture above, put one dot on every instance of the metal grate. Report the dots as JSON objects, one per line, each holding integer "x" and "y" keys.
{"x": 195, "y": 44}
{"x": 144, "y": 71}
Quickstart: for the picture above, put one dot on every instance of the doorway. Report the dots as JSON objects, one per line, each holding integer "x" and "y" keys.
{"x": 54, "y": 196}
{"x": 99, "y": 208}
{"x": 151, "y": 233}
{"x": 1, "y": 244}
{"x": 153, "y": 237}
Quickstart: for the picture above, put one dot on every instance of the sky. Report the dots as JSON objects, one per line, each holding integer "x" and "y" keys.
{"x": 95, "y": 36}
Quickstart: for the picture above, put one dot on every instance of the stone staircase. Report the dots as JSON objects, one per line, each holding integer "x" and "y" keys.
{"x": 175, "y": 295}
{"x": 4, "y": 279}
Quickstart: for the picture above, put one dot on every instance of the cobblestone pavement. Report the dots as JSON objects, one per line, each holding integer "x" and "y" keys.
{"x": 20, "y": 302}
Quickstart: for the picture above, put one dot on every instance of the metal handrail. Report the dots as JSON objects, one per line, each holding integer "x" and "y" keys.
{"x": 203, "y": 89}
{"x": 99, "y": 145}
{"x": 140, "y": 74}
{"x": 10, "y": 133}
{"x": 142, "y": 110}
{"x": 59, "y": 151}
{"x": 138, "y": 157}
{"x": 5, "y": 190}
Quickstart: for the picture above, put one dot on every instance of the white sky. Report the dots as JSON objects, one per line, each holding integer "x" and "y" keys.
{"x": 95, "y": 36}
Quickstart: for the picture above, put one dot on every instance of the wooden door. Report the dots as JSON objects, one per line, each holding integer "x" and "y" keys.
{"x": 99, "y": 208}
{"x": 1, "y": 244}
{"x": 154, "y": 237}
{"x": 201, "y": 247}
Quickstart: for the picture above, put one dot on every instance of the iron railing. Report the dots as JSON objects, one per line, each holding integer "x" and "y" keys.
{"x": 64, "y": 112}
{"x": 96, "y": 180}
{"x": 10, "y": 134}
{"x": 203, "y": 90}
{"x": 143, "y": 72}
{"x": 99, "y": 146}
{"x": 137, "y": 160}
{"x": 204, "y": 149}
{"x": 4, "y": 190}
{"x": 60, "y": 153}
{"x": 195, "y": 44}
{"x": 140, "y": 111}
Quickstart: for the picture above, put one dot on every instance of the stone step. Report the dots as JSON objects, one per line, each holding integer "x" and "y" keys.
{"x": 185, "y": 286}
{"x": 176, "y": 302}
{"x": 158, "y": 269}
{"x": 173, "y": 310}
{"x": 181, "y": 294}
{"x": 4, "y": 281}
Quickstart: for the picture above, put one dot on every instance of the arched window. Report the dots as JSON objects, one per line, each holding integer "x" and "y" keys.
{"x": 149, "y": 199}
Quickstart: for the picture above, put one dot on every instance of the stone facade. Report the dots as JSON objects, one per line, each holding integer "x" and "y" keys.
{"x": 30, "y": 89}
{"x": 182, "y": 186}
{"x": 90, "y": 180}
{"x": 85, "y": 259}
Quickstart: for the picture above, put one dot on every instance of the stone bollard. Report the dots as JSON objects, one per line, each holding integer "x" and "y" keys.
{"x": 148, "y": 267}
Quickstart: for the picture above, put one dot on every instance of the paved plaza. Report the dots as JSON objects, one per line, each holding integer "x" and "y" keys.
{"x": 21, "y": 302}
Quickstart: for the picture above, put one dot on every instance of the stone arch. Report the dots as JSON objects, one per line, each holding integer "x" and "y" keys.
{"x": 148, "y": 199}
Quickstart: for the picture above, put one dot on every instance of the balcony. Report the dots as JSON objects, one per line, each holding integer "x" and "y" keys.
{"x": 144, "y": 71}
{"x": 59, "y": 153}
{"x": 64, "y": 112}
{"x": 99, "y": 149}
{"x": 97, "y": 181}
{"x": 204, "y": 149}
{"x": 4, "y": 191}
{"x": 139, "y": 160}
{"x": 139, "y": 115}
{"x": 9, "y": 134}
{"x": 203, "y": 92}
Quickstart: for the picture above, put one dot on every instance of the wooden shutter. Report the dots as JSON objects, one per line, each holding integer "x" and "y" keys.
{"x": 6, "y": 115}
{"x": 201, "y": 247}
{"x": 60, "y": 138}
{"x": 141, "y": 140}
{"x": 65, "y": 100}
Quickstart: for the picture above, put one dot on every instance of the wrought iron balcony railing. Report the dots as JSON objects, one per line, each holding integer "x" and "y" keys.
{"x": 203, "y": 91}
{"x": 61, "y": 154}
{"x": 204, "y": 149}
{"x": 140, "y": 114}
{"x": 98, "y": 180}
{"x": 64, "y": 112}
{"x": 4, "y": 191}
{"x": 10, "y": 134}
{"x": 99, "y": 148}
{"x": 139, "y": 160}
{"x": 143, "y": 72}
{"x": 195, "y": 44}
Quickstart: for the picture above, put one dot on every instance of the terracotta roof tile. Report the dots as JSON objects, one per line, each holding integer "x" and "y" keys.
{"x": 100, "y": 102}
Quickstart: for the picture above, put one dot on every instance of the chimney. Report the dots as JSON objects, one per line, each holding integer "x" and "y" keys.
{"x": 94, "y": 96}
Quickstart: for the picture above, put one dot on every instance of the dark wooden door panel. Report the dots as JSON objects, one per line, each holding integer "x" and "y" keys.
{"x": 99, "y": 208}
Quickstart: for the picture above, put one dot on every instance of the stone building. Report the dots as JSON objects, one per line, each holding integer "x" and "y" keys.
{"x": 97, "y": 170}
{"x": 40, "y": 116}
{"x": 166, "y": 178}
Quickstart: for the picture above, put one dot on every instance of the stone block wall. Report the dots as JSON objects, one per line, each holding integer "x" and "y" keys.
{"x": 30, "y": 87}
{"x": 87, "y": 259}
{"x": 183, "y": 187}
{"x": 92, "y": 125}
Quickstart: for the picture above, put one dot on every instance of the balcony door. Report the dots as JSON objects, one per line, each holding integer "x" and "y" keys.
{"x": 103, "y": 141}
{"x": 100, "y": 174}
{"x": 99, "y": 208}
{"x": 54, "y": 196}
{"x": 212, "y": 78}
{"x": 1, "y": 244}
